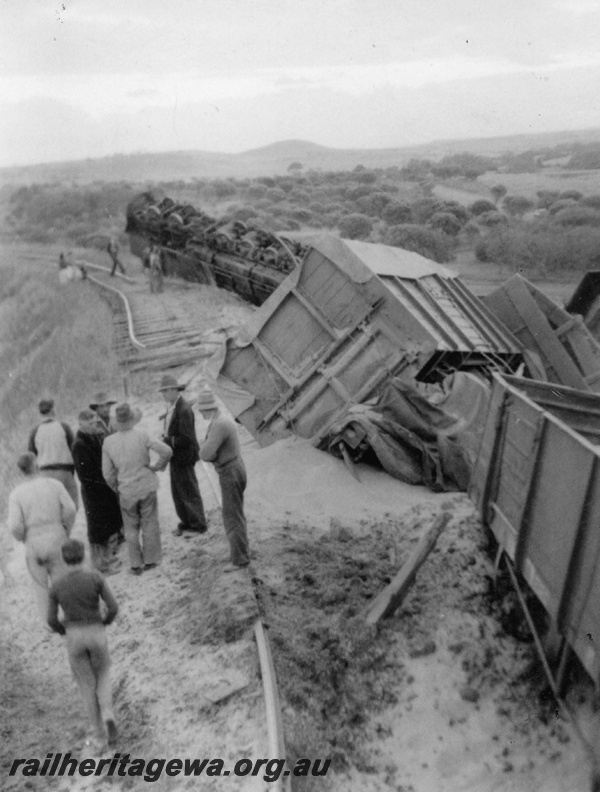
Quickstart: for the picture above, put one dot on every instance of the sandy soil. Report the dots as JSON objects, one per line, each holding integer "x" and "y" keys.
{"x": 446, "y": 697}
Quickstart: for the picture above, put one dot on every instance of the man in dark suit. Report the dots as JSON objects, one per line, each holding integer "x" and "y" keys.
{"x": 180, "y": 435}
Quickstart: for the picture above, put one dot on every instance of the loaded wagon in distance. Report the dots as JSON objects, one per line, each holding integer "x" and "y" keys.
{"x": 536, "y": 483}
{"x": 247, "y": 260}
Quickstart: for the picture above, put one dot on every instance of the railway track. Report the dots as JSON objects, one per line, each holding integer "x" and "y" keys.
{"x": 149, "y": 335}
{"x": 155, "y": 335}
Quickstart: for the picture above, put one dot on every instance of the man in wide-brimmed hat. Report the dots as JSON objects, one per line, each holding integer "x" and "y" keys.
{"x": 127, "y": 469}
{"x": 179, "y": 433}
{"x": 222, "y": 447}
{"x": 101, "y": 404}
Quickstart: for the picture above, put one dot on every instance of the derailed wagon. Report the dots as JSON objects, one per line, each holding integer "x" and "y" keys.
{"x": 536, "y": 483}
{"x": 349, "y": 318}
{"x": 249, "y": 261}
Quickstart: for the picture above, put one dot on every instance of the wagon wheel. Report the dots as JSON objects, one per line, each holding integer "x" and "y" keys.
{"x": 223, "y": 241}
{"x": 239, "y": 228}
{"x": 245, "y": 248}
{"x": 270, "y": 256}
{"x": 175, "y": 219}
{"x": 166, "y": 204}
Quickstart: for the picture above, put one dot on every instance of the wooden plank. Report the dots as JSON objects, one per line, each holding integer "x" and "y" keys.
{"x": 388, "y": 600}
{"x": 547, "y": 343}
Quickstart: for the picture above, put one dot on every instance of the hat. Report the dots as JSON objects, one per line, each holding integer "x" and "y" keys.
{"x": 125, "y": 417}
{"x": 206, "y": 400}
{"x": 101, "y": 398}
{"x": 46, "y": 406}
{"x": 168, "y": 382}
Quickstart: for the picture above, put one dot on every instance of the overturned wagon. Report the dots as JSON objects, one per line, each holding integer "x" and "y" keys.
{"x": 350, "y": 317}
{"x": 536, "y": 483}
{"x": 249, "y": 261}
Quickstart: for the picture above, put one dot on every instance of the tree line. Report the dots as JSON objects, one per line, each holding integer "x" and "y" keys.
{"x": 559, "y": 230}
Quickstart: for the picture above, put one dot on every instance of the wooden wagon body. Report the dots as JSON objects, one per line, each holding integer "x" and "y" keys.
{"x": 351, "y": 316}
{"x": 536, "y": 483}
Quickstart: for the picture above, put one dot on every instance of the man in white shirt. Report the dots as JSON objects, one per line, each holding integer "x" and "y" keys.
{"x": 51, "y": 441}
{"x": 127, "y": 470}
{"x": 41, "y": 514}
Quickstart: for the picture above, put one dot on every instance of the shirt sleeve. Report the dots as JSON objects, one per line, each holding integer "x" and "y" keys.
{"x": 52, "y": 616}
{"x": 210, "y": 447}
{"x": 110, "y": 601}
{"x": 68, "y": 509}
{"x": 109, "y": 471}
{"x": 16, "y": 520}
{"x": 68, "y": 434}
{"x": 162, "y": 450}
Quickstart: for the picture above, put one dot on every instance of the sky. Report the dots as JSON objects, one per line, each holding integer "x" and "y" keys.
{"x": 89, "y": 78}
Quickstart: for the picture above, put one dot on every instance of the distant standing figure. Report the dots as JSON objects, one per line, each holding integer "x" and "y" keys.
{"x": 113, "y": 251}
{"x": 156, "y": 276}
{"x": 101, "y": 504}
{"x": 222, "y": 447}
{"x": 41, "y": 514}
{"x": 180, "y": 435}
{"x": 127, "y": 470}
{"x": 78, "y": 592}
{"x": 146, "y": 261}
{"x": 51, "y": 442}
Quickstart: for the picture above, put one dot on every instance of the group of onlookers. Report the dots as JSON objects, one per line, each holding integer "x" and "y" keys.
{"x": 111, "y": 455}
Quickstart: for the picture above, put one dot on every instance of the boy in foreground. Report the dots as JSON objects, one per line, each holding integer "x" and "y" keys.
{"x": 78, "y": 592}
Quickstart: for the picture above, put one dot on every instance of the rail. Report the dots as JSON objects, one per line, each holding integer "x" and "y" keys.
{"x": 128, "y": 313}
{"x": 269, "y": 680}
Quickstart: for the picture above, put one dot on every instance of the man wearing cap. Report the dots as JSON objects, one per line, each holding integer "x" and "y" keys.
{"x": 41, "y": 514}
{"x": 222, "y": 447}
{"x": 51, "y": 442}
{"x": 101, "y": 404}
{"x": 101, "y": 504}
{"x": 127, "y": 470}
{"x": 180, "y": 435}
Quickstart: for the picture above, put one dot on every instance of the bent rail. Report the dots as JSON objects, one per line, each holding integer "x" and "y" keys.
{"x": 272, "y": 703}
{"x": 269, "y": 681}
{"x": 128, "y": 313}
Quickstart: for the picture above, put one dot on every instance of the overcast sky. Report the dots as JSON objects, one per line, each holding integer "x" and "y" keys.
{"x": 87, "y": 78}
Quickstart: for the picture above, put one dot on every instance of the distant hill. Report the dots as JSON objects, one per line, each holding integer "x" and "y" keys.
{"x": 275, "y": 158}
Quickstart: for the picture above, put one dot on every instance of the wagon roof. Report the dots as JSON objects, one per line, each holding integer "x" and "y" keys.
{"x": 352, "y": 257}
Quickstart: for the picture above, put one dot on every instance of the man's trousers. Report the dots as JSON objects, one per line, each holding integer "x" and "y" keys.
{"x": 140, "y": 521}
{"x": 187, "y": 498}
{"x": 90, "y": 663}
{"x": 44, "y": 560}
{"x": 233, "y": 483}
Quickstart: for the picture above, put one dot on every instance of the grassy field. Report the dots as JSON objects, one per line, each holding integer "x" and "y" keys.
{"x": 54, "y": 341}
{"x": 527, "y": 184}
